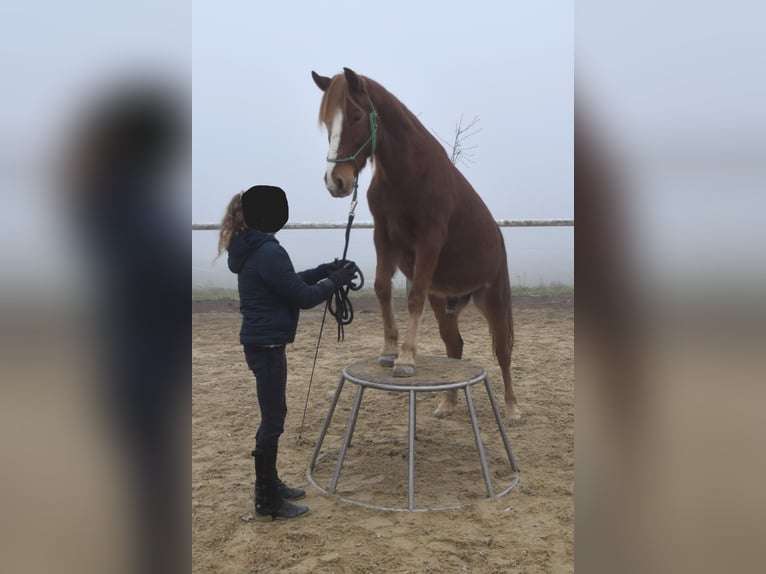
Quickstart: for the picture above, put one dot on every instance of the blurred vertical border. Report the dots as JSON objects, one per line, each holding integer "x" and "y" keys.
{"x": 95, "y": 133}
{"x": 670, "y": 174}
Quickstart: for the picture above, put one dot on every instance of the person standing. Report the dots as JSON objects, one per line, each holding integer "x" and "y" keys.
{"x": 271, "y": 295}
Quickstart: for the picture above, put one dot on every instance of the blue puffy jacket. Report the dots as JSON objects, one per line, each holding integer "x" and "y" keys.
{"x": 271, "y": 293}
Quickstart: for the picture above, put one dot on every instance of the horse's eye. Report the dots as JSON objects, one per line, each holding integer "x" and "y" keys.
{"x": 355, "y": 117}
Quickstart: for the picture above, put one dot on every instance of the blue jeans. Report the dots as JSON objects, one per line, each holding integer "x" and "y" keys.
{"x": 269, "y": 365}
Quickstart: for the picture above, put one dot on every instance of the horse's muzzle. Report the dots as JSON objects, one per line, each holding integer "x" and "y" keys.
{"x": 338, "y": 186}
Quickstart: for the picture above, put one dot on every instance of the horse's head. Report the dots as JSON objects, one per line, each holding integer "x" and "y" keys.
{"x": 348, "y": 114}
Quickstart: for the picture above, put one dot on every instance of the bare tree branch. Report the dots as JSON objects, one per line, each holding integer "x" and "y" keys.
{"x": 460, "y": 153}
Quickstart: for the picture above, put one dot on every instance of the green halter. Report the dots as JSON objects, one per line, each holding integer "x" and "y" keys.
{"x": 372, "y": 139}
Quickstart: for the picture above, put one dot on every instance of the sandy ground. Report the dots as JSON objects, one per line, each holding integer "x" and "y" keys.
{"x": 530, "y": 529}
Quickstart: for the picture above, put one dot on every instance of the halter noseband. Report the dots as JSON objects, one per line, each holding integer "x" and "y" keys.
{"x": 373, "y": 138}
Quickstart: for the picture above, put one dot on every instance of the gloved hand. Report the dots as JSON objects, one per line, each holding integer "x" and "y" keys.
{"x": 327, "y": 268}
{"x": 344, "y": 275}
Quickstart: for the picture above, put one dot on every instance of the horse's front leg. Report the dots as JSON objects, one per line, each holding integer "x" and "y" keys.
{"x": 425, "y": 265}
{"x": 384, "y": 273}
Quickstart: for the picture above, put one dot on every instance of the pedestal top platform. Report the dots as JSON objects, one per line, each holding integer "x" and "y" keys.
{"x": 431, "y": 371}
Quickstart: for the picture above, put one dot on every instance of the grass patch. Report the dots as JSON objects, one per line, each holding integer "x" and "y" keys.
{"x": 214, "y": 294}
{"x": 550, "y": 290}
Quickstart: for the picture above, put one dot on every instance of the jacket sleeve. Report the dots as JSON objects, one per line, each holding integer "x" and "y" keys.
{"x": 279, "y": 275}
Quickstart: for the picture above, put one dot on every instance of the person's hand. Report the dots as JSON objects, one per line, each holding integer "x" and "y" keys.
{"x": 332, "y": 266}
{"x": 344, "y": 275}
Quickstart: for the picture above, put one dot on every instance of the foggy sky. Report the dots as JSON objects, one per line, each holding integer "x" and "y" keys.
{"x": 255, "y": 104}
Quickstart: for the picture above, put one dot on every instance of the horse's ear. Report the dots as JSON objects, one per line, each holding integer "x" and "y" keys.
{"x": 322, "y": 82}
{"x": 354, "y": 82}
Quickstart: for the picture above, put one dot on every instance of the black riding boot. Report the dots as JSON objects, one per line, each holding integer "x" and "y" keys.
{"x": 269, "y": 502}
{"x": 289, "y": 492}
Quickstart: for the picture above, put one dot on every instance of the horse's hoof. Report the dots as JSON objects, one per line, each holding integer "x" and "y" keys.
{"x": 442, "y": 412}
{"x": 387, "y": 361}
{"x": 512, "y": 415}
{"x": 404, "y": 371}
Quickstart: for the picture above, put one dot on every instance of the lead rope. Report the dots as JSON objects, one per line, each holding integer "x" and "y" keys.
{"x": 342, "y": 310}
{"x": 339, "y": 303}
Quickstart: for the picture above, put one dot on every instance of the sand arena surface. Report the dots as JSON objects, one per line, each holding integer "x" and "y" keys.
{"x": 531, "y": 529}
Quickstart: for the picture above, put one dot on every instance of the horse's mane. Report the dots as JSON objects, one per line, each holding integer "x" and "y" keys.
{"x": 334, "y": 97}
{"x": 337, "y": 92}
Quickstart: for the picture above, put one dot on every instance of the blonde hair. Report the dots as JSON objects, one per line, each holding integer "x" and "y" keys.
{"x": 233, "y": 223}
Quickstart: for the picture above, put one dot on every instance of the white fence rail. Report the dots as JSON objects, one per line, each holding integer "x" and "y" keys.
{"x": 550, "y": 223}
{"x": 370, "y": 225}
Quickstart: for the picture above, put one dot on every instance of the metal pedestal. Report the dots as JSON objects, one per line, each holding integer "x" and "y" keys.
{"x": 433, "y": 374}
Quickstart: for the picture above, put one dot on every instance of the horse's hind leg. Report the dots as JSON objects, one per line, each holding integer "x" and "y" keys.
{"x": 494, "y": 302}
{"x": 446, "y": 317}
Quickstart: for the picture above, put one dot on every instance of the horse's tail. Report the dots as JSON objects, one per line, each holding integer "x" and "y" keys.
{"x": 504, "y": 290}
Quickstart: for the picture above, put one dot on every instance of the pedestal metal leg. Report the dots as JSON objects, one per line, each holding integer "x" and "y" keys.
{"x": 411, "y": 452}
{"x": 479, "y": 444}
{"x": 326, "y": 424}
{"x": 500, "y": 425}
{"x": 347, "y": 438}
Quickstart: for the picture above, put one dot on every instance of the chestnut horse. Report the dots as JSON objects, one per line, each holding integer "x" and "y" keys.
{"x": 428, "y": 221}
